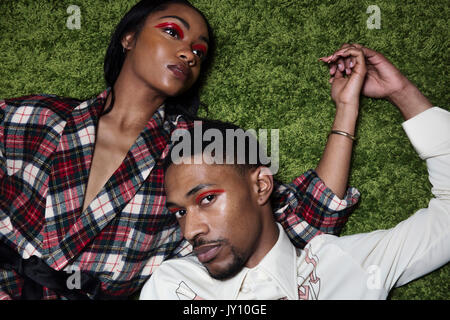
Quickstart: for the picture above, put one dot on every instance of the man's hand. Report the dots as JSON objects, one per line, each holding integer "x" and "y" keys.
{"x": 383, "y": 80}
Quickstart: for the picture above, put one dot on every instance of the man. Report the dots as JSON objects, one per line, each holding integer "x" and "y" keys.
{"x": 242, "y": 253}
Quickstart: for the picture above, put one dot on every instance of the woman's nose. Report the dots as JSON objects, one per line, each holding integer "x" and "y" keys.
{"x": 187, "y": 56}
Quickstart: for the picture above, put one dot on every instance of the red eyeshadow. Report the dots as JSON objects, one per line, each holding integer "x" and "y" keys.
{"x": 173, "y": 210}
{"x": 200, "y": 196}
{"x": 200, "y": 47}
{"x": 171, "y": 25}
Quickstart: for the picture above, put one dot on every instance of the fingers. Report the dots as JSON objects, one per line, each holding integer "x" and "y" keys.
{"x": 350, "y": 62}
{"x": 347, "y": 63}
{"x": 344, "y": 65}
{"x": 337, "y": 75}
{"x": 357, "y": 56}
{"x": 346, "y": 58}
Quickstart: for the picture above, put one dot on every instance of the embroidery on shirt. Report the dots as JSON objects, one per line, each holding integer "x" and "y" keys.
{"x": 308, "y": 288}
{"x": 185, "y": 293}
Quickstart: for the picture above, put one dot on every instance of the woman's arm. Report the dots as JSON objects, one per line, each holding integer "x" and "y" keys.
{"x": 334, "y": 166}
{"x": 2, "y": 138}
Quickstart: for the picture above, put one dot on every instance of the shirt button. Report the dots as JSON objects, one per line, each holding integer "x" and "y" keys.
{"x": 245, "y": 288}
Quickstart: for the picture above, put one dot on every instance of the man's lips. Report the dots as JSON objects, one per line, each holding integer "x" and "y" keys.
{"x": 207, "y": 252}
{"x": 181, "y": 71}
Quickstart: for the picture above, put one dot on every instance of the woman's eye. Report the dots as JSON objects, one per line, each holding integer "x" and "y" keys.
{"x": 172, "y": 32}
{"x": 200, "y": 51}
{"x": 171, "y": 29}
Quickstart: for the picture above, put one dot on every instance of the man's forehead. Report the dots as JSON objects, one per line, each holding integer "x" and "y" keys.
{"x": 197, "y": 170}
{"x": 184, "y": 177}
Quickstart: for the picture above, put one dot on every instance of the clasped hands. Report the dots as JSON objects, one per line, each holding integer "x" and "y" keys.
{"x": 356, "y": 70}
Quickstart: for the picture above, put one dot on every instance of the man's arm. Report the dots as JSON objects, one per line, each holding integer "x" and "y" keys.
{"x": 421, "y": 243}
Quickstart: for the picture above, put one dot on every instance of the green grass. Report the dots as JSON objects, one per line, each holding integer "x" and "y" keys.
{"x": 266, "y": 75}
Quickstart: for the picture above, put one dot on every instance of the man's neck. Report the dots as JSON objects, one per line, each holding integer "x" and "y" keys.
{"x": 266, "y": 241}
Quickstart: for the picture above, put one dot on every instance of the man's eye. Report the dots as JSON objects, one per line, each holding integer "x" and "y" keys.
{"x": 208, "y": 199}
{"x": 180, "y": 213}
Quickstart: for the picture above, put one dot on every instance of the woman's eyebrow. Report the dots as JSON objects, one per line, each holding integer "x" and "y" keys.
{"x": 204, "y": 39}
{"x": 184, "y": 22}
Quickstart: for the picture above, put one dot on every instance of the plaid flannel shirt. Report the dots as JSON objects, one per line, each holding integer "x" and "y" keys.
{"x": 46, "y": 148}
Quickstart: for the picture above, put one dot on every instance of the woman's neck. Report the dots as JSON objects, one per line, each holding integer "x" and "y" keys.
{"x": 134, "y": 103}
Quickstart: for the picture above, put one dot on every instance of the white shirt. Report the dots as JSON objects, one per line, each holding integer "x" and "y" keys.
{"x": 360, "y": 266}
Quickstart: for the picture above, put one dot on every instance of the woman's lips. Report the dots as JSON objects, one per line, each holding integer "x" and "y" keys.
{"x": 181, "y": 71}
{"x": 206, "y": 253}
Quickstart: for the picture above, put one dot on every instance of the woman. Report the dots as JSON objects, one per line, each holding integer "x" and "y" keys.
{"x": 82, "y": 206}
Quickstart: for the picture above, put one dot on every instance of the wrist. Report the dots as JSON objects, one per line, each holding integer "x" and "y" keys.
{"x": 398, "y": 95}
{"x": 347, "y": 109}
{"x": 345, "y": 119}
{"x": 409, "y": 100}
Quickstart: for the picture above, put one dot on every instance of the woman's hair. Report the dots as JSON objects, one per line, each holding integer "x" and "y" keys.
{"x": 133, "y": 21}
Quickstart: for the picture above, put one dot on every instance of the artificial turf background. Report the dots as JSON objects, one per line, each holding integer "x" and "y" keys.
{"x": 266, "y": 75}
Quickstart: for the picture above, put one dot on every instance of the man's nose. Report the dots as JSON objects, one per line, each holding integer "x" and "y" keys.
{"x": 194, "y": 225}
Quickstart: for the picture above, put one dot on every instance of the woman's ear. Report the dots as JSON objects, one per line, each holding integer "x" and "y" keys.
{"x": 263, "y": 184}
{"x": 128, "y": 41}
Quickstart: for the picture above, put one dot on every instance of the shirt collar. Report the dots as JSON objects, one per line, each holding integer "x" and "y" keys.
{"x": 279, "y": 263}
{"x": 97, "y": 105}
{"x": 94, "y": 106}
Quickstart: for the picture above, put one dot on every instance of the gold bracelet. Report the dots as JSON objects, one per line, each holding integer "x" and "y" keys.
{"x": 343, "y": 133}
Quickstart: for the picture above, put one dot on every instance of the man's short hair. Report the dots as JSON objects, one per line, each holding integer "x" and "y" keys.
{"x": 225, "y": 142}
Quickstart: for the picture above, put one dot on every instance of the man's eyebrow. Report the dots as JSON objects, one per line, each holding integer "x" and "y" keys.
{"x": 170, "y": 204}
{"x": 186, "y": 24}
{"x": 197, "y": 188}
{"x": 191, "y": 192}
